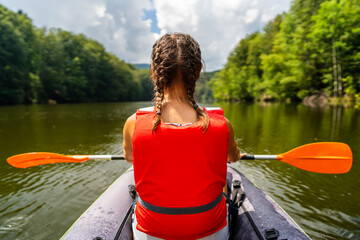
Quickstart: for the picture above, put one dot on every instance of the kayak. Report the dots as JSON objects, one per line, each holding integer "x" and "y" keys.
{"x": 257, "y": 217}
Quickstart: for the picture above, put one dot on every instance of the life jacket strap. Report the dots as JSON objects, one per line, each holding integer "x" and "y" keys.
{"x": 181, "y": 211}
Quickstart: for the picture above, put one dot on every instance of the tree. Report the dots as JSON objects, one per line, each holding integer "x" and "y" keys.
{"x": 16, "y": 51}
{"x": 335, "y": 34}
{"x": 38, "y": 65}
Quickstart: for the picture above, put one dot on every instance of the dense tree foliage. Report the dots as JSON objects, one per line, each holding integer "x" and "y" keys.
{"x": 40, "y": 65}
{"x": 17, "y": 51}
{"x": 147, "y": 87}
{"x": 203, "y": 91}
{"x": 313, "y": 48}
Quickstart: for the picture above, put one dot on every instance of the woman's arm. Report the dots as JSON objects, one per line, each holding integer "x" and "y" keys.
{"x": 234, "y": 152}
{"x": 127, "y": 135}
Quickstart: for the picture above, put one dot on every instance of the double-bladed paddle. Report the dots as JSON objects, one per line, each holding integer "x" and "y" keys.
{"x": 321, "y": 157}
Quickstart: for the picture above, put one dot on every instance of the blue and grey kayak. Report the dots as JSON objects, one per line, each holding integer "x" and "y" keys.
{"x": 259, "y": 217}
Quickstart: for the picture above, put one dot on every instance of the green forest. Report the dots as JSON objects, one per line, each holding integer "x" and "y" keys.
{"x": 312, "y": 49}
{"x": 41, "y": 66}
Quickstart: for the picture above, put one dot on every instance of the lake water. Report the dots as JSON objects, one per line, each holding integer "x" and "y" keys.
{"x": 42, "y": 202}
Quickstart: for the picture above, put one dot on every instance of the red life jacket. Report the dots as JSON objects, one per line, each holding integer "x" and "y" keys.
{"x": 180, "y": 167}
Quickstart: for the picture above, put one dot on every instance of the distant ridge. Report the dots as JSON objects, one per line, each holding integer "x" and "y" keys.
{"x": 142, "y": 65}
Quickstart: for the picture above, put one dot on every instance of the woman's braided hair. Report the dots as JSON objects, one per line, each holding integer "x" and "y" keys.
{"x": 175, "y": 54}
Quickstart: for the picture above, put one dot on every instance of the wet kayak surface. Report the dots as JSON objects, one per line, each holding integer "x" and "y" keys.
{"x": 43, "y": 202}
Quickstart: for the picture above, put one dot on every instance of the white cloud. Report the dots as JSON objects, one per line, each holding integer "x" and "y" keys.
{"x": 100, "y": 10}
{"x": 251, "y": 15}
{"x": 123, "y": 31}
{"x": 217, "y": 25}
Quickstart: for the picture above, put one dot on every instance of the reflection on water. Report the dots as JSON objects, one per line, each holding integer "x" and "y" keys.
{"x": 42, "y": 202}
{"x": 335, "y": 121}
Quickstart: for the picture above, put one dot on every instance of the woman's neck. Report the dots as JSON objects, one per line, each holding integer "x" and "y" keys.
{"x": 176, "y": 105}
{"x": 176, "y": 92}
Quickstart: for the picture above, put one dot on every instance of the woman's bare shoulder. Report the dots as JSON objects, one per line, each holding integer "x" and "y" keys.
{"x": 132, "y": 118}
{"x": 130, "y": 123}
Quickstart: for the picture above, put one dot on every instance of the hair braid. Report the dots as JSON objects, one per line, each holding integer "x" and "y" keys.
{"x": 159, "y": 96}
{"x": 191, "y": 72}
{"x": 200, "y": 112}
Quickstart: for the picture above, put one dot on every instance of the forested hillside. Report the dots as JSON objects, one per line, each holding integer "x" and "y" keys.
{"x": 41, "y": 65}
{"x": 314, "y": 48}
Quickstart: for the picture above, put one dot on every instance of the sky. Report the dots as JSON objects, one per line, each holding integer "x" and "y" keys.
{"x": 128, "y": 28}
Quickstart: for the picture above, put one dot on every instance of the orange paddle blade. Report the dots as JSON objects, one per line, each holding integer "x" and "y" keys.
{"x": 26, "y": 160}
{"x": 322, "y": 157}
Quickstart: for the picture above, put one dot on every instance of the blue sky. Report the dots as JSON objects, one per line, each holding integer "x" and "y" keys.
{"x": 129, "y": 28}
{"x": 151, "y": 14}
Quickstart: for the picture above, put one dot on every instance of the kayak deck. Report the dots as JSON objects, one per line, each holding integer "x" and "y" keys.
{"x": 259, "y": 217}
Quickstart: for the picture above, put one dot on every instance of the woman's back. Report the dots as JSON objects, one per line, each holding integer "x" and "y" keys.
{"x": 167, "y": 164}
{"x": 177, "y": 136}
